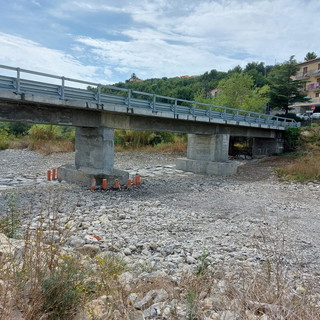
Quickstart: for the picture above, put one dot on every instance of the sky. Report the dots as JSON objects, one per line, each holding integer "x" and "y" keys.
{"x": 105, "y": 41}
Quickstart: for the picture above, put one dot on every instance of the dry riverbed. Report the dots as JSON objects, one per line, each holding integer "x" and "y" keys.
{"x": 175, "y": 218}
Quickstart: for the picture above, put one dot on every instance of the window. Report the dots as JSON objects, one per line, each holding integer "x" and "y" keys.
{"x": 305, "y": 70}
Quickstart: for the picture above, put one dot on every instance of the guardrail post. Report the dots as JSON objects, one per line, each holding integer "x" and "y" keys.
{"x": 175, "y": 106}
{"x": 62, "y": 87}
{"x": 193, "y": 110}
{"x": 154, "y": 104}
{"x": 210, "y": 111}
{"x": 18, "y": 80}
{"x": 99, "y": 94}
{"x": 225, "y": 114}
{"x": 129, "y": 98}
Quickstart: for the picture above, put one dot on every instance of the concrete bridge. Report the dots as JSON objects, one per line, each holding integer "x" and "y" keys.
{"x": 96, "y": 110}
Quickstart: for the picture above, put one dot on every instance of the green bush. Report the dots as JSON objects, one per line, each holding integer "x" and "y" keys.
{"x": 292, "y": 138}
{"x": 4, "y": 139}
{"x": 139, "y": 138}
{"x": 63, "y": 290}
{"x": 44, "y": 132}
{"x": 17, "y": 128}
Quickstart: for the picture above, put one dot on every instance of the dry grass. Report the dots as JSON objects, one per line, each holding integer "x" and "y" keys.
{"x": 53, "y": 146}
{"x": 179, "y": 145}
{"x": 19, "y": 142}
{"x": 306, "y": 168}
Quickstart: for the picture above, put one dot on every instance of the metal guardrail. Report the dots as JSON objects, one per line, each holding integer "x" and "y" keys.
{"x": 107, "y": 94}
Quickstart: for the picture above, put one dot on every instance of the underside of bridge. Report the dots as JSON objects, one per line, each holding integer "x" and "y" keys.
{"x": 208, "y": 143}
{"x": 206, "y": 154}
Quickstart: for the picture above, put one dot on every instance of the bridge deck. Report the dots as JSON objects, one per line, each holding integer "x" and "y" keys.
{"x": 120, "y": 100}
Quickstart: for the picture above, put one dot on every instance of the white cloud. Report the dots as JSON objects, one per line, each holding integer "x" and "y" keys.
{"x": 156, "y": 38}
{"x": 27, "y": 54}
{"x": 154, "y": 58}
{"x": 260, "y": 29}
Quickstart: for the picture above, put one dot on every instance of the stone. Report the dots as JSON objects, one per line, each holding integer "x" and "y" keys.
{"x": 191, "y": 260}
{"x": 150, "y": 298}
{"x": 8, "y": 247}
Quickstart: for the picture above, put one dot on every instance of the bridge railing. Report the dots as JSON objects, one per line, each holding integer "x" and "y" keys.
{"x": 56, "y": 86}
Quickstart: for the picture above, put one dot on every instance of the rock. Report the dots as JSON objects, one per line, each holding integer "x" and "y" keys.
{"x": 191, "y": 260}
{"x": 90, "y": 239}
{"x": 153, "y": 296}
{"x": 9, "y": 247}
{"x": 75, "y": 241}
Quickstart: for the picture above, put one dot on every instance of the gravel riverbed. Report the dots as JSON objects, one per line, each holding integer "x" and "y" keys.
{"x": 174, "y": 218}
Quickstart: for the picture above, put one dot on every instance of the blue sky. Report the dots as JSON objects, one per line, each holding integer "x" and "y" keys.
{"x": 106, "y": 41}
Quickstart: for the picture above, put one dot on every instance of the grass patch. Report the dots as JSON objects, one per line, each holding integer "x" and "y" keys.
{"x": 48, "y": 139}
{"x": 304, "y": 165}
{"x": 4, "y": 139}
{"x": 177, "y": 145}
{"x": 305, "y": 168}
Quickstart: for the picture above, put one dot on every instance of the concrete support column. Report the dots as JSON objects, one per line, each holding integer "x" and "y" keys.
{"x": 94, "y": 158}
{"x": 94, "y": 149}
{"x": 267, "y": 147}
{"x": 208, "y": 154}
{"x": 208, "y": 147}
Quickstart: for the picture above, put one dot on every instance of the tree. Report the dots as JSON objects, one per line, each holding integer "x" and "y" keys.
{"x": 310, "y": 56}
{"x": 238, "y": 91}
{"x": 284, "y": 90}
{"x": 258, "y": 71}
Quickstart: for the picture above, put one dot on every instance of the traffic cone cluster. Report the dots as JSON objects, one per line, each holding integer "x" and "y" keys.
{"x": 52, "y": 174}
{"x": 136, "y": 181}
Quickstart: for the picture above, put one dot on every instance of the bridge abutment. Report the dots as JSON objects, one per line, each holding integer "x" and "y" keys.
{"x": 208, "y": 154}
{"x": 267, "y": 147}
{"x": 94, "y": 158}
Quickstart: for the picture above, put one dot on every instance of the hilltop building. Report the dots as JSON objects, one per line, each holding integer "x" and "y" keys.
{"x": 134, "y": 78}
{"x": 309, "y": 71}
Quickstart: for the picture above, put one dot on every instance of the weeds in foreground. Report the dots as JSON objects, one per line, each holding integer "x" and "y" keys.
{"x": 44, "y": 282}
{"x": 10, "y": 221}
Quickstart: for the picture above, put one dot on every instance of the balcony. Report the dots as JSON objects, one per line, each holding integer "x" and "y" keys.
{"x": 313, "y": 101}
{"x": 313, "y": 87}
{"x": 302, "y": 75}
{"x": 305, "y": 75}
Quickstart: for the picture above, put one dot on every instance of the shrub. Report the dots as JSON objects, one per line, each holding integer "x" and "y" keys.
{"x": 18, "y": 128}
{"x": 44, "y": 132}
{"x": 48, "y": 139}
{"x": 292, "y": 138}
{"x": 4, "y": 139}
{"x": 10, "y": 222}
{"x": 62, "y": 291}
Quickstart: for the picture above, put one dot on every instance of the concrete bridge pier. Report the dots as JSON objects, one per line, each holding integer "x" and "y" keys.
{"x": 94, "y": 158}
{"x": 208, "y": 154}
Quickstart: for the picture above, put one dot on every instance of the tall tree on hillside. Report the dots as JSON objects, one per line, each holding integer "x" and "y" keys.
{"x": 284, "y": 91}
{"x": 238, "y": 91}
{"x": 310, "y": 56}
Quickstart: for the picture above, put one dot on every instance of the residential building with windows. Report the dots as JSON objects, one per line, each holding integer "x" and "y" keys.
{"x": 309, "y": 71}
